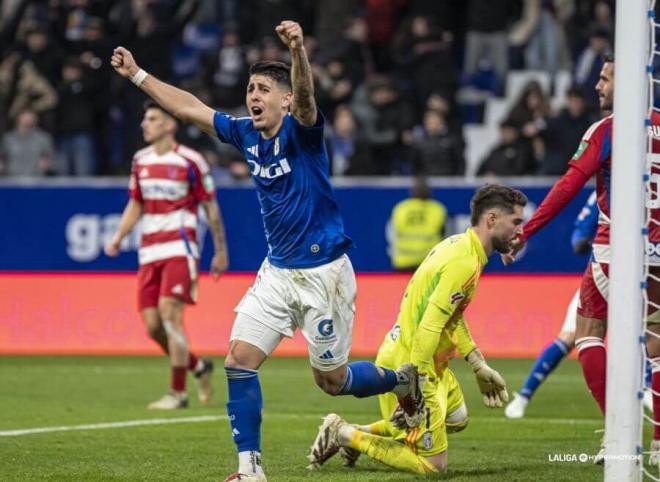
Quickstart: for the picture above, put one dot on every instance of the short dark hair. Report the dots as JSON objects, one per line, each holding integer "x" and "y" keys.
{"x": 495, "y": 196}
{"x": 608, "y": 58}
{"x": 152, "y": 104}
{"x": 278, "y": 71}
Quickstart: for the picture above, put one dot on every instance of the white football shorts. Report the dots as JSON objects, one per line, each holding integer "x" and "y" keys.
{"x": 571, "y": 313}
{"x": 320, "y": 301}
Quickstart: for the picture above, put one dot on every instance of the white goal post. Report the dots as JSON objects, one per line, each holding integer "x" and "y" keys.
{"x": 623, "y": 419}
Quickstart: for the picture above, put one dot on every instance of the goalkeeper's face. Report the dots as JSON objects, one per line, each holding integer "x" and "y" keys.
{"x": 268, "y": 102}
{"x": 505, "y": 228}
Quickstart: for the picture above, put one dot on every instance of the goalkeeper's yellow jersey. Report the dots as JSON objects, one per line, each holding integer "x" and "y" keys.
{"x": 435, "y": 298}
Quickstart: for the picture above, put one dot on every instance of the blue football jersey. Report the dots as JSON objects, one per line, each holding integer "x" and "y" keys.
{"x": 301, "y": 218}
{"x": 586, "y": 222}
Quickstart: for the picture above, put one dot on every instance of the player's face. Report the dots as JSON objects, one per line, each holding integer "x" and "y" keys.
{"x": 505, "y": 228}
{"x": 267, "y": 103}
{"x": 605, "y": 86}
{"x": 155, "y": 125}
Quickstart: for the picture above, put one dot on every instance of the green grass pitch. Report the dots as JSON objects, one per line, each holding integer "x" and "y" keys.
{"x": 40, "y": 392}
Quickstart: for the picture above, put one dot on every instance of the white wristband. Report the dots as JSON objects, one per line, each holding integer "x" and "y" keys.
{"x": 139, "y": 77}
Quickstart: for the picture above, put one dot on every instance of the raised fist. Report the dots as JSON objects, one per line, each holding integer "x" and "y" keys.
{"x": 290, "y": 34}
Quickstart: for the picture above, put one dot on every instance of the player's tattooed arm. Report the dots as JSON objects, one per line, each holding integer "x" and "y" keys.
{"x": 304, "y": 105}
{"x": 220, "y": 260}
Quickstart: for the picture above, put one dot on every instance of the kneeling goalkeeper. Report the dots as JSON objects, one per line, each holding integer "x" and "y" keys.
{"x": 412, "y": 434}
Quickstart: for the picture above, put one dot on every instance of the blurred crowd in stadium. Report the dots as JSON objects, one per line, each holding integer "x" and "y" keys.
{"x": 398, "y": 80}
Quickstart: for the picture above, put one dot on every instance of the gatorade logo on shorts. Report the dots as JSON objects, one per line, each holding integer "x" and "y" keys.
{"x": 326, "y": 328}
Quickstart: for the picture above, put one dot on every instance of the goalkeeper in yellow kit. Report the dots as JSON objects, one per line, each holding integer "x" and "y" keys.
{"x": 412, "y": 434}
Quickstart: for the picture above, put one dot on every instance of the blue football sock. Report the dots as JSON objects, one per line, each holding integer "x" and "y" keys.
{"x": 364, "y": 379}
{"x": 545, "y": 363}
{"x": 244, "y": 404}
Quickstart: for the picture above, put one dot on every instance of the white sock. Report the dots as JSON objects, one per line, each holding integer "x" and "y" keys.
{"x": 249, "y": 462}
{"x": 402, "y": 385}
{"x": 345, "y": 434}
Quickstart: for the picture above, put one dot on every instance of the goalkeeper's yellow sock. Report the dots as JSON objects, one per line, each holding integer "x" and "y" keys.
{"x": 388, "y": 451}
{"x": 377, "y": 428}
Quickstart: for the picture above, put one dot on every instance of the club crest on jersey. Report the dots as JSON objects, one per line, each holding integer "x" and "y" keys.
{"x": 276, "y": 148}
{"x": 581, "y": 148}
{"x": 456, "y": 297}
{"x": 144, "y": 172}
{"x": 427, "y": 439}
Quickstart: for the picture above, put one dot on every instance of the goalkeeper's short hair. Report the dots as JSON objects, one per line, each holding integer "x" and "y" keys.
{"x": 495, "y": 196}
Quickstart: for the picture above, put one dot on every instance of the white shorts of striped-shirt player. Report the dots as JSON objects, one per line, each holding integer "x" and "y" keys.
{"x": 318, "y": 301}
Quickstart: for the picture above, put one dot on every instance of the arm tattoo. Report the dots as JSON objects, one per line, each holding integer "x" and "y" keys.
{"x": 304, "y": 105}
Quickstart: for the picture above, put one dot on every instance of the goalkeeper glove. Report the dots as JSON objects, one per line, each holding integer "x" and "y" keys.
{"x": 491, "y": 384}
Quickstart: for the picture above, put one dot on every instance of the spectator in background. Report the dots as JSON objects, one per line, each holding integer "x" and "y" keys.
{"x": 385, "y": 116}
{"x": 382, "y": 18}
{"x": 26, "y": 150}
{"x": 228, "y": 67}
{"x": 353, "y": 50}
{"x": 511, "y": 157}
{"x": 22, "y": 87}
{"x": 348, "y": 150}
{"x": 330, "y": 18}
{"x": 543, "y": 51}
{"x": 528, "y": 115}
{"x": 74, "y": 122}
{"x": 424, "y": 59}
{"x": 435, "y": 150}
{"x": 486, "y": 37}
{"x": 45, "y": 53}
{"x": 416, "y": 225}
{"x": 522, "y": 30}
{"x": 590, "y": 62}
{"x": 333, "y": 86}
{"x": 563, "y": 132}
{"x": 447, "y": 107}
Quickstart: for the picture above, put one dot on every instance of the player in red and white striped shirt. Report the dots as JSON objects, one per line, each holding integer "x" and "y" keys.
{"x": 168, "y": 183}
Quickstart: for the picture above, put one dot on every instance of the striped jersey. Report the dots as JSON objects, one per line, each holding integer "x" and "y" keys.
{"x": 169, "y": 187}
{"x": 593, "y": 158}
{"x": 448, "y": 279}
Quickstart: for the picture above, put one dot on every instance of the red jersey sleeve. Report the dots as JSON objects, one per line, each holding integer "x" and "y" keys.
{"x": 585, "y": 163}
{"x": 134, "y": 191}
{"x": 201, "y": 181}
{"x": 203, "y": 187}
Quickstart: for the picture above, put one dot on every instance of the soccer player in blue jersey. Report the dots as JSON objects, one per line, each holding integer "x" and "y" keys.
{"x": 306, "y": 281}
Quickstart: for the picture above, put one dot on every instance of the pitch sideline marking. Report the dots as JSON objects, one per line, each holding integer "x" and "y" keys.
{"x": 214, "y": 418}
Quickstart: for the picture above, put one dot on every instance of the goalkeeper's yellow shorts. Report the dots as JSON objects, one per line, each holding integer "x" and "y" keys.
{"x": 430, "y": 438}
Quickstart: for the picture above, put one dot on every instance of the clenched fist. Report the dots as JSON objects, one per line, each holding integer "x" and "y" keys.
{"x": 123, "y": 62}
{"x": 290, "y": 34}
